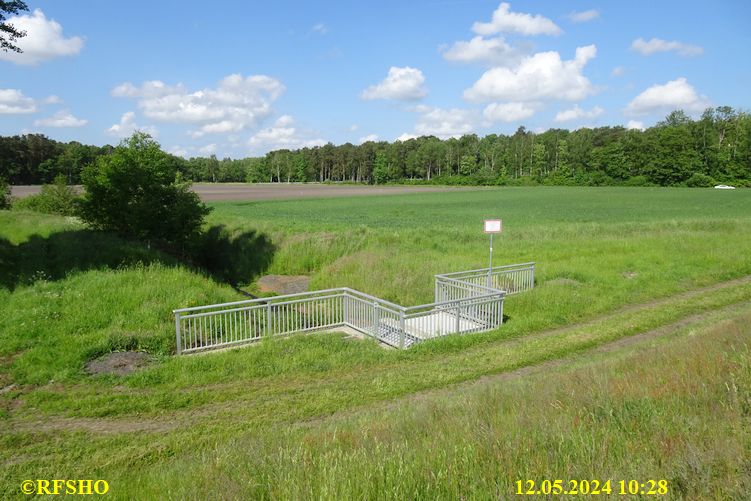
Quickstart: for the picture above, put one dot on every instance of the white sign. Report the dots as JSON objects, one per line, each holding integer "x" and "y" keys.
{"x": 493, "y": 226}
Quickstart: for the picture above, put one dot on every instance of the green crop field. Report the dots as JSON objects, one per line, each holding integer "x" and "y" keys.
{"x": 629, "y": 359}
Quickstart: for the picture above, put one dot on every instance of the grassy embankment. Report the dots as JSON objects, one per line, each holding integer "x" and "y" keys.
{"x": 598, "y": 250}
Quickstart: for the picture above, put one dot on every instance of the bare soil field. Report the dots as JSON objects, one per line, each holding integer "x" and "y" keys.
{"x": 280, "y": 191}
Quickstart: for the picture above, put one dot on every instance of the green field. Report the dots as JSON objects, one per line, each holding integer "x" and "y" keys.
{"x": 629, "y": 360}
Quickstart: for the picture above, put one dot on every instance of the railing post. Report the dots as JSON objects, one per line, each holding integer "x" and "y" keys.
{"x": 532, "y": 285}
{"x": 345, "y": 308}
{"x": 376, "y": 320}
{"x": 268, "y": 318}
{"x": 178, "y": 338}
{"x": 457, "y": 318}
{"x": 500, "y": 320}
{"x": 402, "y": 331}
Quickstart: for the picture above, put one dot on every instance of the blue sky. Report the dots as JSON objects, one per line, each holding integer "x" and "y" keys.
{"x": 242, "y": 78}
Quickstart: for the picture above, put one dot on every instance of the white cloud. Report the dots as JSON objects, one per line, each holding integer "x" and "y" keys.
{"x": 405, "y": 137}
{"x": 128, "y": 125}
{"x": 444, "y": 123}
{"x": 44, "y": 40}
{"x": 320, "y": 28}
{"x": 148, "y": 89}
{"x": 209, "y": 149}
{"x": 646, "y": 48}
{"x": 577, "y": 113}
{"x": 52, "y": 100}
{"x": 284, "y": 121}
{"x": 179, "y": 151}
{"x": 62, "y": 118}
{"x": 235, "y": 104}
{"x": 618, "y": 71}
{"x": 495, "y": 51}
{"x": 676, "y": 94}
{"x": 509, "y": 112}
{"x": 401, "y": 83}
{"x": 542, "y": 76}
{"x": 505, "y": 21}
{"x": 281, "y": 135}
{"x": 584, "y": 16}
{"x": 369, "y": 137}
{"x": 635, "y": 124}
{"x": 12, "y": 101}
{"x": 353, "y": 127}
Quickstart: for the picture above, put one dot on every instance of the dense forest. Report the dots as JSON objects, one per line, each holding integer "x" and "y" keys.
{"x": 677, "y": 151}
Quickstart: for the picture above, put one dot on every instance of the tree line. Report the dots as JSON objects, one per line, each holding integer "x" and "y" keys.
{"x": 678, "y": 150}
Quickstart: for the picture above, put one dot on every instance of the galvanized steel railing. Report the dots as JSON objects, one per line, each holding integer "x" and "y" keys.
{"x": 512, "y": 278}
{"x": 464, "y": 303}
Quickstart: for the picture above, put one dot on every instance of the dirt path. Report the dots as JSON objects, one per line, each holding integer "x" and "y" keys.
{"x": 176, "y": 420}
{"x": 729, "y": 312}
{"x": 281, "y": 191}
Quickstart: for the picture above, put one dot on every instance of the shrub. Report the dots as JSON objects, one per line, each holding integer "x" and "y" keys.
{"x": 599, "y": 179}
{"x": 4, "y": 194}
{"x": 699, "y": 180}
{"x": 56, "y": 198}
{"x": 138, "y": 193}
{"x": 638, "y": 181}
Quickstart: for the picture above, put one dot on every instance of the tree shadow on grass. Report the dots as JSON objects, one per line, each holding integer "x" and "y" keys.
{"x": 235, "y": 258}
{"x": 56, "y": 256}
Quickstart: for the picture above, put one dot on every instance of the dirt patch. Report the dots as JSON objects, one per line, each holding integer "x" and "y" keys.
{"x": 283, "y": 284}
{"x": 94, "y": 425}
{"x": 629, "y": 275}
{"x": 8, "y": 388}
{"x": 563, "y": 281}
{"x": 119, "y": 363}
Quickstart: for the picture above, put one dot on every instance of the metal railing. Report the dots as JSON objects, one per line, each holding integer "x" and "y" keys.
{"x": 513, "y": 278}
{"x": 464, "y": 303}
{"x": 227, "y": 324}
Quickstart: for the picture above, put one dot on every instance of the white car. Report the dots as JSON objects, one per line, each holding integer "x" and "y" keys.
{"x": 724, "y": 187}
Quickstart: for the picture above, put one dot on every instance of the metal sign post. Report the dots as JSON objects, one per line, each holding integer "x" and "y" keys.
{"x": 492, "y": 226}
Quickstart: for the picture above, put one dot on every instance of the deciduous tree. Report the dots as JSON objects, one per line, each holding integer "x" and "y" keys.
{"x": 137, "y": 193}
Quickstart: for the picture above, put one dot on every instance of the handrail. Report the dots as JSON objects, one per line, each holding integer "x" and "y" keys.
{"x": 373, "y": 298}
{"x": 504, "y": 267}
{"x": 245, "y": 308}
{"x": 456, "y": 301}
{"x": 261, "y": 300}
{"x": 462, "y": 283}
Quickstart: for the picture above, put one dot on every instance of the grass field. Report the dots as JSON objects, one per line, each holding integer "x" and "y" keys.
{"x": 628, "y": 361}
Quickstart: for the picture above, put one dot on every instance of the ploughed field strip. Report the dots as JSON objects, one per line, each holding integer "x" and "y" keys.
{"x": 465, "y": 302}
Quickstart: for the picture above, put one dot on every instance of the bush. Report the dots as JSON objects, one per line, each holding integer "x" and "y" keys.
{"x": 138, "y": 193}
{"x": 638, "y": 181}
{"x": 4, "y": 194}
{"x": 599, "y": 179}
{"x": 56, "y": 198}
{"x": 699, "y": 180}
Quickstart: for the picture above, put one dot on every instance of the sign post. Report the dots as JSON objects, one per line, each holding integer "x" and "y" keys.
{"x": 492, "y": 226}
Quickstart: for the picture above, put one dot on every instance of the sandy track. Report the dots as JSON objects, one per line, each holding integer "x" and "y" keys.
{"x": 280, "y": 191}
